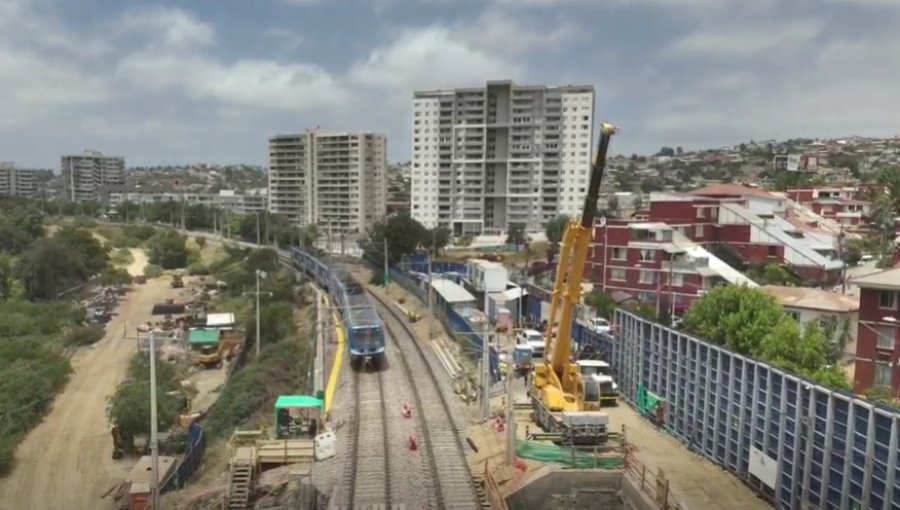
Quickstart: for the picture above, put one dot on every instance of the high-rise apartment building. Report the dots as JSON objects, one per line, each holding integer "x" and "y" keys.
{"x": 16, "y": 182}
{"x": 489, "y": 157}
{"x": 326, "y": 178}
{"x": 85, "y": 175}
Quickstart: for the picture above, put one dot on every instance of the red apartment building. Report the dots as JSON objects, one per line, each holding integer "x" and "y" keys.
{"x": 749, "y": 225}
{"x": 844, "y": 205}
{"x": 877, "y": 346}
{"x": 655, "y": 263}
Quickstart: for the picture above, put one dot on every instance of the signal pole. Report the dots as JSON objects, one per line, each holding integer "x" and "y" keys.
{"x": 485, "y": 364}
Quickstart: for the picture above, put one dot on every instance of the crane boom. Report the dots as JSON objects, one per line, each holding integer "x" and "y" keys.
{"x": 570, "y": 267}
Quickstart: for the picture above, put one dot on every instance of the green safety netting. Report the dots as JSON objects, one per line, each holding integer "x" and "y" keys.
{"x": 545, "y": 452}
{"x": 646, "y": 401}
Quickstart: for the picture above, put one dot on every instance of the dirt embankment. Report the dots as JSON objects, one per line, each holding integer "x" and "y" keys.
{"x": 66, "y": 461}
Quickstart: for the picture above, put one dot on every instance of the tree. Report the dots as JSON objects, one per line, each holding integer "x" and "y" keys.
{"x": 555, "y": 228}
{"x": 736, "y": 316}
{"x": 889, "y": 177}
{"x": 437, "y": 239}
{"x": 309, "y": 234}
{"x": 602, "y": 302}
{"x": 168, "y": 250}
{"x": 516, "y": 234}
{"x": 48, "y": 268}
{"x": 201, "y": 241}
{"x": 82, "y": 243}
{"x": 612, "y": 206}
{"x": 666, "y": 151}
{"x": 772, "y": 274}
{"x": 114, "y": 276}
{"x": 6, "y": 276}
{"x": 403, "y": 233}
{"x": 129, "y": 407}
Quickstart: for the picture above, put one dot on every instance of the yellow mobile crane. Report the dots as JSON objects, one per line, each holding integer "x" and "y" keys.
{"x": 565, "y": 403}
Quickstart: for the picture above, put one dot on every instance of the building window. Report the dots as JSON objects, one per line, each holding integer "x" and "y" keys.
{"x": 698, "y": 230}
{"x": 773, "y": 251}
{"x": 700, "y": 212}
{"x": 793, "y": 315}
{"x": 677, "y": 280}
{"x": 887, "y": 299}
{"x": 619, "y": 254}
{"x": 886, "y": 337}
{"x": 617, "y": 274}
{"x": 647, "y": 277}
{"x": 882, "y": 374}
{"x": 647, "y": 255}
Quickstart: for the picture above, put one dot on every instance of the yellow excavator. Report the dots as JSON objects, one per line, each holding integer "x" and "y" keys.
{"x": 566, "y": 402}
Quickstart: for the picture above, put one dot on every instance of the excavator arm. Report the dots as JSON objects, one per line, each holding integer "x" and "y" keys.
{"x": 573, "y": 254}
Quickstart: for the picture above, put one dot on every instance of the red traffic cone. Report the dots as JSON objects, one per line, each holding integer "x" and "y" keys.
{"x": 413, "y": 446}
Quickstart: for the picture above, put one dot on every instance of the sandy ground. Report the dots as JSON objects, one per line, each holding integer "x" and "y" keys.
{"x": 209, "y": 384}
{"x": 66, "y": 461}
{"x": 139, "y": 261}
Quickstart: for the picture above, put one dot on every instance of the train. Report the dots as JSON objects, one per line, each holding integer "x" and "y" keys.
{"x": 365, "y": 330}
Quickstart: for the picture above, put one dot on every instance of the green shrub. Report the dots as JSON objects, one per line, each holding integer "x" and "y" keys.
{"x": 153, "y": 271}
{"x": 122, "y": 257}
{"x": 198, "y": 269}
{"x": 85, "y": 335}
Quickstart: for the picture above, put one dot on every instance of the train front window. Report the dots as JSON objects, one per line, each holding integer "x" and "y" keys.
{"x": 367, "y": 337}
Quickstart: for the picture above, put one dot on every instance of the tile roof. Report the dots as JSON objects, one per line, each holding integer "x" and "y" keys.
{"x": 813, "y": 299}
{"x": 733, "y": 190}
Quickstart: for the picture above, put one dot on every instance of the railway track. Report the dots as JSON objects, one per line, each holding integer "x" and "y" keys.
{"x": 451, "y": 482}
{"x": 367, "y": 477}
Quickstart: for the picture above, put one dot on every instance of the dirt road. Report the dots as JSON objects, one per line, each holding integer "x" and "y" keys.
{"x": 138, "y": 262}
{"x": 66, "y": 461}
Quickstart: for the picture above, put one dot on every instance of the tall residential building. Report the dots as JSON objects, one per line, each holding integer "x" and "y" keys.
{"x": 327, "y": 178}
{"x": 85, "y": 175}
{"x": 17, "y": 182}
{"x": 489, "y": 157}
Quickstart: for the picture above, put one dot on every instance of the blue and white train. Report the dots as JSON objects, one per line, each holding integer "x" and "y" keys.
{"x": 365, "y": 332}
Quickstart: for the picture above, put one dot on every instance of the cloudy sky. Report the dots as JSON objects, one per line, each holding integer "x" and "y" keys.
{"x": 210, "y": 80}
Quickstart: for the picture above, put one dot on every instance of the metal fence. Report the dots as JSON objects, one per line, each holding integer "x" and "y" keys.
{"x": 450, "y": 318}
{"x": 799, "y": 444}
{"x": 190, "y": 462}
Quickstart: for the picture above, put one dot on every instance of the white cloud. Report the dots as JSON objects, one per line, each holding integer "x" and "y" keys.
{"x": 165, "y": 27}
{"x": 728, "y": 42}
{"x": 431, "y": 57}
{"x": 502, "y": 30}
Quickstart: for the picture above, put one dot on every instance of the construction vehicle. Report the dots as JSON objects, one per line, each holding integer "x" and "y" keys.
{"x": 210, "y": 356}
{"x": 567, "y": 404}
{"x": 177, "y": 281}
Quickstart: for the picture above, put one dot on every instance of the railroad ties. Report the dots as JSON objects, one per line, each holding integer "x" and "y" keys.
{"x": 444, "y": 458}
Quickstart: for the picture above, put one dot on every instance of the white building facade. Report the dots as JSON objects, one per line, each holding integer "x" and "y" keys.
{"x": 85, "y": 175}
{"x": 17, "y": 182}
{"x": 330, "y": 179}
{"x": 490, "y": 157}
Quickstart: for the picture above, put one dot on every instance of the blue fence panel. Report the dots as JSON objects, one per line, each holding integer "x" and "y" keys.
{"x": 190, "y": 462}
{"x": 831, "y": 450}
{"x": 450, "y": 317}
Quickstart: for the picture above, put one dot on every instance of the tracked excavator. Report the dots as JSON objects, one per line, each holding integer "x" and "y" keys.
{"x": 565, "y": 401}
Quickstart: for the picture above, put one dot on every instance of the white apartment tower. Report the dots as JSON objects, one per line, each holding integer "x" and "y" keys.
{"x": 16, "y": 182}
{"x": 86, "y": 175}
{"x": 330, "y": 179}
{"x": 485, "y": 158}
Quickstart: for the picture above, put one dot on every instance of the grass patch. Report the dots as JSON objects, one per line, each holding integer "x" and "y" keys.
{"x": 153, "y": 271}
{"x": 121, "y": 257}
{"x": 253, "y": 389}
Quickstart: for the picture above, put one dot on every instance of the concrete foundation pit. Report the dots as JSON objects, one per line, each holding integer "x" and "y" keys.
{"x": 556, "y": 489}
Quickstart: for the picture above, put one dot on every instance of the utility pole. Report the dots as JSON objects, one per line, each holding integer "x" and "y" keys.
{"x": 671, "y": 291}
{"x": 510, "y": 417}
{"x": 843, "y": 260}
{"x": 259, "y": 274}
{"x": 387, "y": 274}
{"x": 183, "y": 203}
{"x": 430, "y": 260}
{"x": 258, "y": 242}
{"x": 485, "y": 364}
{"x": 154, "y": 440}
{"x": 605, "y": 252}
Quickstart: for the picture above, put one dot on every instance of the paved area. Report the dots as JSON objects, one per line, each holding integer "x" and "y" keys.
{"x": 695, "y": 481}
{"x": 66, "y": 461}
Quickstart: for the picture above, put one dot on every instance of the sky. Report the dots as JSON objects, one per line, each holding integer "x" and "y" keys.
{"x": 210, "y": 80}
